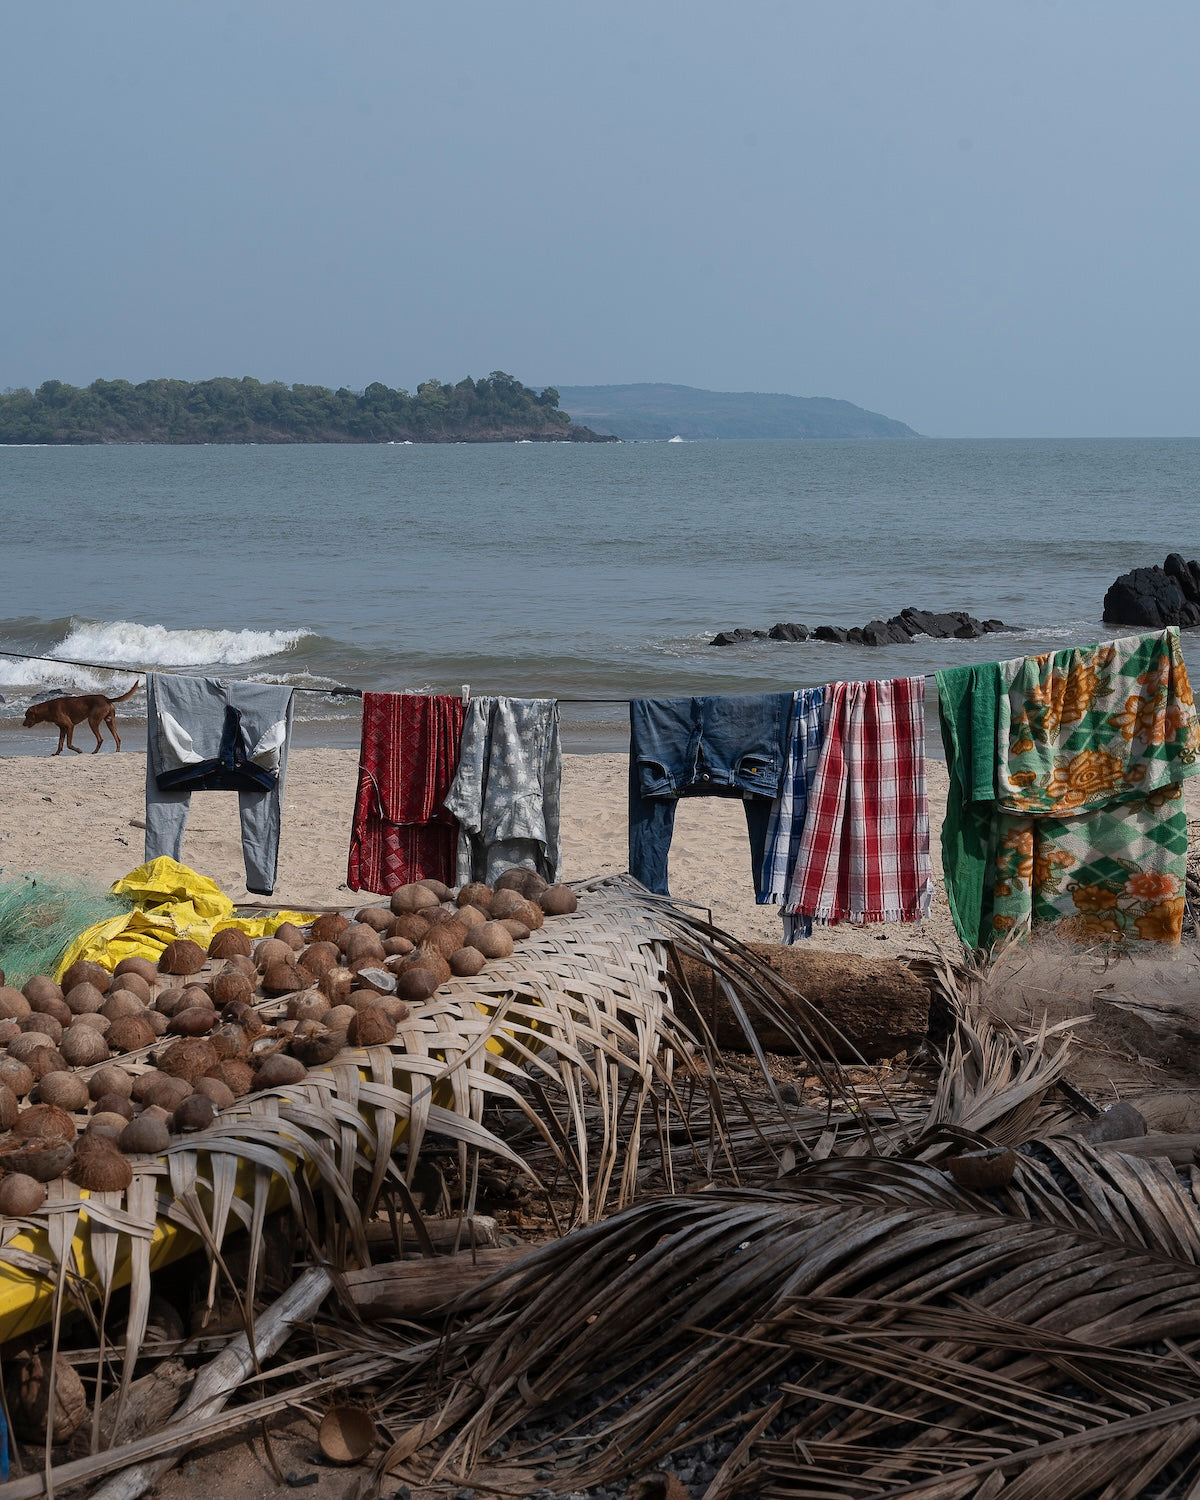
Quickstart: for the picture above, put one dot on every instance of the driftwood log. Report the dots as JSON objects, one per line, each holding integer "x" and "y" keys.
{"x": 411, "y": 1288}
{"x": 877, "y": 1004}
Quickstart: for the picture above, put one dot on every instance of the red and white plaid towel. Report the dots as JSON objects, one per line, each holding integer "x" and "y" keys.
{"x": 864, "y": 852}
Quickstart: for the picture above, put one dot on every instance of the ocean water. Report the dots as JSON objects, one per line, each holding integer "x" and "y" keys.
{"x": 566, "y": 570}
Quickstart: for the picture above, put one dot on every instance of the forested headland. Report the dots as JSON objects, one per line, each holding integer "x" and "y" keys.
{"x": 494, "y": 410}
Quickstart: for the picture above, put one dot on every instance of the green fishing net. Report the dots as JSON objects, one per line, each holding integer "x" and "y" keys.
{"x": 39, "y": 917}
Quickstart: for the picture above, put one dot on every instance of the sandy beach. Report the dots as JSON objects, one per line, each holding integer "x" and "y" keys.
{"x": 83, "y": 816}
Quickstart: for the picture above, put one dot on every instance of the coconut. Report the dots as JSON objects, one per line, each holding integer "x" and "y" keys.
{"x": 361, "y": 943}
{"x": 271, "y": 951}
{"x": 492, "y": 939}
{"x": 416, "y": 985}
{"x": 24, "y": 1043}
{"x": 108, "y": 1125}
{"x": 475, "y": 894}
{"x": 157, "y": 1022}
{"x": 167, "y": 1094}
{"x": 282, "y": 979}
{"x": 144, "y": 1136}
{"x": 85, "y": 998}
{"x": 82, "y": 1045}
{"x": 10, "y": 1106}
{"x": 44, "y": 1122}
{"x": 229, "y": 988}
{"x": 46, "y": 1025}
{"x": 130, "y": 1034}
{"x": 20, "y": 1195}
{"x": 446, "y": 937}
{"x": 471, "y": 916}
{"x": 13, "y": 1004}
{"x": 311, "y": 1005}
{"x": 327, "y": 927}
{"x": 169, "y": 1001}
{"x": 558, "y": 901}
{"x": 195, "y": 1113}
{"x": 110, "y": 1078}
{"x": 518, "y": 929}
{"x": 196, "y": 1020}
{"x": 506, "y": 901}
{"x": 339, "y": 1017}
{"x": 98, "y": 1165}
{"x": 229, "y": 941}
{"x": 47, "y": 1059}
{"x": 314, "y": 1044}
{"x": 277, "y": 1070}
{"x": 115, "y": 1104}
{"x": 378, "y": 917}
{"x": 95, "y": 1020}
{"x": 66, "y": 1090}
{"x": 8, "y": 1030}
{"x": 336, "y": 984}
{"x": 289, "y": 933}
{"x": 529, "y": 915}
{"x": 144, "y": 1082}
{"x": 214, "y": 1089}
{"x": 133, "y": 984}
{"x": 190, "y": 1058}
{"x": 412, "y": 897}
{"x": 240, "y": 964}
{"x": 182, "y": 957}
{"x": 411, "y": 926}
{"x": 370, "y": 1028}
{"x": 119, "y": 1003}
{"x": 31, "y": 1391}
{"x": 41, "y": 988}
{"x": 318, "y": 957}
{"x": 17, "y": 1075}
{"x": 230, "y": 1040}
{"x": 82, "y": 971}
{"x": 236, "y": 1075}
{"x": 397, "y": 947}
{"x": 42, "y": 1160}
{"x": 527, "y": 882}
{"x": 466, "y": 962}
{"x": 139, "y": 966}
{"x": 433, "y": 961}
{"x": 382, "y": 981}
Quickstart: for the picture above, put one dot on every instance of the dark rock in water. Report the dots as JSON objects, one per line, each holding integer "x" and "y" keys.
{"x": 736, "y": 637}
{"x": 1156, "y": 597}
{"x": 891, "y": 632}
{"x": 833, "y": 633}
{"x": 788, "y": 632}
{"x": 897, "y": 631}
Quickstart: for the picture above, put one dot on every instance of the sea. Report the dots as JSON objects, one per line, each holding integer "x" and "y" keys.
{"x": 588, "y": 573}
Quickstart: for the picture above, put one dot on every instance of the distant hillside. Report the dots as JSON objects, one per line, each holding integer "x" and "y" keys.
{"x": 496, "y": 410}
{"x": 665, "y": 411}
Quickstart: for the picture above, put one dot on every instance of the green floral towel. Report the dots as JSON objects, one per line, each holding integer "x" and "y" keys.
{"x": 1092, "y": 745}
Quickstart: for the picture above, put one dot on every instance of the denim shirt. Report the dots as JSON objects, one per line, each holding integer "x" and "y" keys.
{"x": 712, "y": 746}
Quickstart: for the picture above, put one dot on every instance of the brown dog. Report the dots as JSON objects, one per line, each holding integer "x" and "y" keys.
{"x": 67, "y": 712}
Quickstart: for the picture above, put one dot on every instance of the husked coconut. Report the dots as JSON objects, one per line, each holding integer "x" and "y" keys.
{"x": 144, "y": 1136}
{"x": 82, "y": 1045}
{"x": 195, "y": 1020}
{"x": 50, "y": 1006}
{"x": 95, "y": 1020}
{"x": 378, "y": 917}
{"x": 99, "y": 1166}
{"x": 10, "y": 1106}
{"x": 518, "y": 929}
{"x": 31, "y": 1393}
{"x": 410, "y": 925}
{"x": 214, "y": 1089}
{"x": 114, "y": 1104}
{"x": 272, "y": 951}
{"x": 527, "y": 882}
{"x": 20, "y": 1195}
{"x": 229, "y": 941}
{"x": 13, "y": 1004}
{"x": 318, "y": 957}
{"x": 44, "y": 1122}
{"x": 41, "y": 988}
{"x": 8, "y": 1030}
{"x": 416, "y": 985}
{"x": 336, "y": 984}
{"x": 167, "y": 1094}
{"x": 492, "y": 939}
{"x": 558, "y": 901}
{"x": 17, "y": 1075}
{"x": 111, "y": 1078}
{"x": 240, "y": 964}
{"x": 327, "y": 927}
{"x": 46, "y": 1025}
{"x": 230, "y": 1040}
{"x": 118, "y": 1003}
{"x": 289, "y": 933}
{"x": 47, "y": 1059}
{"x": 446, "y": 937}
{"x": 83, "y": 971}
{"x": 135, "y": 984}
{"x": 470, "y": 916}
{"x": 236, "y": 1075}
{"x": 309, "y": 1005}
{"x": 67, "y": 1090}
{"x": 167, "y": 1002}
{"x": 182, "y": 957}
{"x": 395, "y": 947}
{"x": 370, "y": 1028}
{"x": 189, "y": 1058}
{"x": 366, "y": 946}
{"x": 228, "y": 988}
{"x": 412, "y": 897}
{"x": 429, "y": 958}
{"x": 338, "y": 1018}
{"x": 137, "y": 965}
{"x": 314, "y": 1044}
{"x": 42, "y": 1160}
{"x": 467, "y": 962}
{"x": 277, "y": 1070}
{"x": 130, "y": 1034}
{"x": 475, "y": 893}
{"x": 195, "y": 1113}
{"x": 85, "y": 997}
{"x": 24, "y": 1043}
{"x": 382, "y": 981}
{"x": 282, "y": 979}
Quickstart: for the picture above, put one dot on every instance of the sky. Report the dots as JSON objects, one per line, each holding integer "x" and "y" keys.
{"x": 979, "y": 218}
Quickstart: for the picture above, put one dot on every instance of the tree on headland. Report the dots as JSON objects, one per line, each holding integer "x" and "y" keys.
{"x": 225, "y": 410}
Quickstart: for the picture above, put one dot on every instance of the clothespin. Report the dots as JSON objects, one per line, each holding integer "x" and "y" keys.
{"x": 466, "y": 693}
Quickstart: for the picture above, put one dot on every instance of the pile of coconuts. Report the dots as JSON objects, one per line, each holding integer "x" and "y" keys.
{"x": 102, "y": 1068}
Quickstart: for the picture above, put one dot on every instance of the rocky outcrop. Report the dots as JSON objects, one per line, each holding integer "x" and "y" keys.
{"x": 897, "y": 631}
{"x": 1156, "y": 597}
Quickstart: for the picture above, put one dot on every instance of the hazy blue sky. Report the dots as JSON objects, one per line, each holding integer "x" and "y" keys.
{"x": 979, "y": 218}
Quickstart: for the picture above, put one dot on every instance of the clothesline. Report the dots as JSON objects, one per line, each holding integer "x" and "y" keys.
{"x": 329, "y": 692}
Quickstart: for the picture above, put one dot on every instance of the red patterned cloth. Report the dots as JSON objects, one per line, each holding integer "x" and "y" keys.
{"x": 408, "y": 758}
{"x": 864, "y": 850}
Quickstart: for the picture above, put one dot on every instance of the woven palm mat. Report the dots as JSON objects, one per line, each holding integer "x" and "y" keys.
{"x": 577, "y": 1023}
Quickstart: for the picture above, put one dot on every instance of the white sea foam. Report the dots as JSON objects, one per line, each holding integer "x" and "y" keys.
{"x": 123, "y": 643}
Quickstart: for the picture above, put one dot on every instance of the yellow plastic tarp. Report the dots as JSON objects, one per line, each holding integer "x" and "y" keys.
{"x": 168, "y": 901}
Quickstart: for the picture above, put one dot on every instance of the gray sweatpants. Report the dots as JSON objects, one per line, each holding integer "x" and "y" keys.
{"x": 185, "y": 717}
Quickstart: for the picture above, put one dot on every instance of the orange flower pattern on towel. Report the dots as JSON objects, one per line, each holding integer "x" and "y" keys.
{"x": 1092, "y": 745}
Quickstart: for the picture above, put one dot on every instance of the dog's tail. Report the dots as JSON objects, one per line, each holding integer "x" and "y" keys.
{"x": 129, "y": 694}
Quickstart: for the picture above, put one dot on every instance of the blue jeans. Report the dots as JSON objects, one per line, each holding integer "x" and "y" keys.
{"x": 726, "y": 746}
